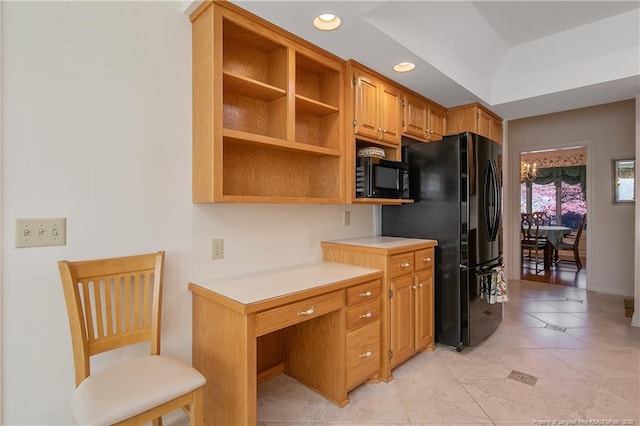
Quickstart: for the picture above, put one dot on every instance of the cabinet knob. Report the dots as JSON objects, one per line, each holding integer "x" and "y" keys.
{"x": 367, "y": 315}
{"x": 367, "y": 293}
{"x": 367, "y": 354}
{"x": 413, "y": 287}
{"x": 309, "y": 311}
{"x": 405, "y": 265}
{"x": 426, "y": 259}
{"x": 420, "y": 285}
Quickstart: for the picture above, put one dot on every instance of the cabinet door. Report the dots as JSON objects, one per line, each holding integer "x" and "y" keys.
{"x": 402, "y": 320}
{"x": 496, "y": 131}
{"x": 390, "y": 114}
{"x": 436, "y": 123}
{"x": 423, "y": 309}
{"x": 484, "y": 123}
{"x": 414, "y": 121}
{"x": 367, "y": 106}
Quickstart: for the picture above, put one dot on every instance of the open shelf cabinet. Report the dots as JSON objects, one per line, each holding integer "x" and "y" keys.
{"x": 268, "y": 120}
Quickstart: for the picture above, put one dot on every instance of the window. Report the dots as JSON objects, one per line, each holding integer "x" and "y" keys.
{"x": 556, "y": 189}
{"x": 623, "y": 181}
{"x": 543, "y": 199}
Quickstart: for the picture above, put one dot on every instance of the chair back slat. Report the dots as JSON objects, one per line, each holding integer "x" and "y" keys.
{"x": 103, "y": 306}
{"x": 580, "y": 228}
{"x": 112, "y": 303}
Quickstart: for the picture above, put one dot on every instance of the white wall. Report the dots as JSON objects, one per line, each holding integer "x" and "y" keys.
{"x": 263, "y": 236}
{"x": 608, "y": 131}
{"x": 96, "y": 114}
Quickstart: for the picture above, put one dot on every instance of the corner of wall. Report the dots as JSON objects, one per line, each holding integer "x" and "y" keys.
{"x": 635, "y": 321}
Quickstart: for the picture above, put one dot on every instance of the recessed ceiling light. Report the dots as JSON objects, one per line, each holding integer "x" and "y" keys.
{"x": 404, "y": 67}
{"x": 326, "y": 21}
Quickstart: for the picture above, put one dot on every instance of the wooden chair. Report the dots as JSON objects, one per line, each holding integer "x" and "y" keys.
{"x": 542, "y": 217}
{"x": 113, "y": 303}
{"x": 571, "y": 245}
{"x": 531, "y": 240}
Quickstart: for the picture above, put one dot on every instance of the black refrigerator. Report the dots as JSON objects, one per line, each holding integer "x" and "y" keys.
{"x": 456, "y": 185}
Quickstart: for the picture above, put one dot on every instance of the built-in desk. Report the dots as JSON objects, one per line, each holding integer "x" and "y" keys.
{"x": 331, "y": 337}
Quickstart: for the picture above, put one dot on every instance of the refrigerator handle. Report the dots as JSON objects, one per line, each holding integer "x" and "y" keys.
{"x": 491, "y": 200}
{"x": 496, "y": 206}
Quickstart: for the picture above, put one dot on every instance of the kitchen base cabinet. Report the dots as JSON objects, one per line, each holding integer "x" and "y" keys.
{"x": 318, "y": 323}
{"x": 407, "y": 291}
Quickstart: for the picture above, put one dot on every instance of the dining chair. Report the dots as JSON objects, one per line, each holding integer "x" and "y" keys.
{"x": 572, "y": 245}
{"x": 531, "y": 240}
{"x": 117, "y": 302}
{"x": 543, "y": 217}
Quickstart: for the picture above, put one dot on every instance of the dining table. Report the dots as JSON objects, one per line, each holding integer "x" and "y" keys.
{"x": 553, "y": 235}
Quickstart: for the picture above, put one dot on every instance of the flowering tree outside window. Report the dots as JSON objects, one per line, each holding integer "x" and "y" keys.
{"x": 574, "y": 205}
{"x": 543, "y": 199}
{"x": 553, "y": 196}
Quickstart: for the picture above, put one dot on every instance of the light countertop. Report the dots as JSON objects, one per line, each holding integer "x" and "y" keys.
{"x": 257, "y": 287}
{"x": 381, "y": 242}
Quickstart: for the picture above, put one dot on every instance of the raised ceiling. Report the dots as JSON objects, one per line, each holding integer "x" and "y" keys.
{"x": 520, "y": 58}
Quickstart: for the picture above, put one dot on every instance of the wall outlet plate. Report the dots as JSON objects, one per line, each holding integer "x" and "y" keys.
{"x": 41, "y": 232}
{"x": 217, "y": 249}
{"x": 346, "y": 218}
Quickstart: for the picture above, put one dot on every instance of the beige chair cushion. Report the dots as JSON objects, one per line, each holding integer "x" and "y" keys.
{"x": 131, "y": 387}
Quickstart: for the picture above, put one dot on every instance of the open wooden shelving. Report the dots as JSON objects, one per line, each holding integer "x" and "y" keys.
{"x": 268, "y": 116}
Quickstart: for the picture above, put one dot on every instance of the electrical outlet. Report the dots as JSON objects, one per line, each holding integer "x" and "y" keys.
{"x": 346, "y": 218}
{"x": 41, "y": 232}
{"x": 217, "y": 249}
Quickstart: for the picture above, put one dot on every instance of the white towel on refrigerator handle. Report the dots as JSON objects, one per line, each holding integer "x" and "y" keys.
{"x": 494, "y": 286}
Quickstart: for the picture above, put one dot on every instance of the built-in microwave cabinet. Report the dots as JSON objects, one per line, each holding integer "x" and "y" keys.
{"x": 268, "y": 116}
{"x": 421, "y": 119}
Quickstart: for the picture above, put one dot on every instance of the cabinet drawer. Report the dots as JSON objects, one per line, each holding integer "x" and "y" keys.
{"x": 364, "y": 314}
{"x": 424, "y": 259}
{"x": 284, "y": 316}
{"x": 363, "y": 293}
{"x": 401, "y": 264}
{"x": 363, "y": 353}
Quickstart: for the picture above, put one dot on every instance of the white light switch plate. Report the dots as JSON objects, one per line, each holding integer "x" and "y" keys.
{"x": 41, "y": 232}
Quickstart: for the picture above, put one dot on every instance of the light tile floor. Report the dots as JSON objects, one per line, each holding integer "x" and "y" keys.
{"x": 587, "y": 374}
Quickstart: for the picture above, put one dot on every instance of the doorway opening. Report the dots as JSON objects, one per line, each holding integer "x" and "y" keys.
{"x": 553, "y": 196}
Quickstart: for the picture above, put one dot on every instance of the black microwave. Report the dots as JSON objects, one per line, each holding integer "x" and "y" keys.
{"x": 379, "y": 178}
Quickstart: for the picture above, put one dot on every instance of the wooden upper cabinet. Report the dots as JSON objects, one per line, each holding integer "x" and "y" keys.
{"x": 437, "y": 122}
{"x": 422, "y": 119}
{"x": 415, "y": 117}
{"x": 376, "y": 108}
{"x": 390, "y": 114}
{"x": 268, "y": 116}
{"x": 496, "y": 131}
{"x": 475, "y": 118}
{"x": 367, "y": 105}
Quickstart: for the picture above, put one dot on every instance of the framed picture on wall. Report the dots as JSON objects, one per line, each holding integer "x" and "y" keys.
{"x": 624, "y": 177}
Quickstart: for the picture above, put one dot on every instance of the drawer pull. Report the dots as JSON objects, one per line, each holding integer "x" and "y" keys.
{"x": 367, "y": 354}
{"x": 366, "y": 294}
{"x": 367, "y": 315}
{"x": 309, "y": 311}
{"x": 420, "y": 285}
{"x": 405, "y": 265}
{"x": 426, "y": 259}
